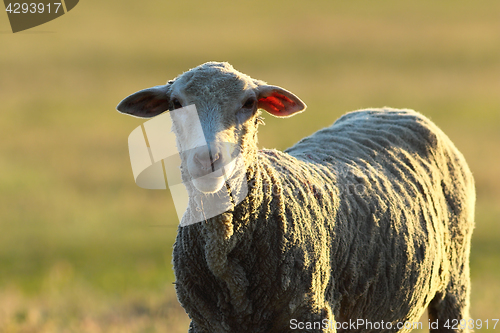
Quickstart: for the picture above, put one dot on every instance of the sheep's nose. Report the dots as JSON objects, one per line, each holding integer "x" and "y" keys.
{"x": 206, "y": 158}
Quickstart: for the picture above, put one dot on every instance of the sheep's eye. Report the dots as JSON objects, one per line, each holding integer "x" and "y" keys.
{"x": 176, "y": 104}
{"x": 249, "y": 104}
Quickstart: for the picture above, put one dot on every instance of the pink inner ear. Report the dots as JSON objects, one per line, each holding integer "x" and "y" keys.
{"x": 276, "y": 103}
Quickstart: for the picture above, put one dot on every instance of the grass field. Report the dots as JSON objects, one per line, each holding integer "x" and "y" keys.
{"x": 83, "y": 249}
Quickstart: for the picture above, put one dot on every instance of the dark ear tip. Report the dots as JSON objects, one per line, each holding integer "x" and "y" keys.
{"x": 121, "y": 107}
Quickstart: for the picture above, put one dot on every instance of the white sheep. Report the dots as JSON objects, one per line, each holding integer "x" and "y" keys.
{"x": 368, "y": 220}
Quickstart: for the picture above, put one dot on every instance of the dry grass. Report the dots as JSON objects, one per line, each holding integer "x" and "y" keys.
{"x": 83, "y": 310}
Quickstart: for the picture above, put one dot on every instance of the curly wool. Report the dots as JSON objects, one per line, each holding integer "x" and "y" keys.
{"x": 369, "y": 218}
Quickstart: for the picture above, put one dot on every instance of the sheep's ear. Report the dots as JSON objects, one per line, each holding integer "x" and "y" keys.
{"x": 278, "y": 101}
{"x": 146, "y": 103}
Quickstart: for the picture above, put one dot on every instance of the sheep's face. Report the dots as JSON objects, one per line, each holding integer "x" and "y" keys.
{"x": 227, "y": 104}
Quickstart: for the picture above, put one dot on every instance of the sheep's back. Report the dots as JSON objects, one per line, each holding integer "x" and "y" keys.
{"x": 406, "y": 204}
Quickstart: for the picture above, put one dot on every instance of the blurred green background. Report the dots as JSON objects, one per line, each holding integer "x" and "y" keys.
{"x": 83, "y": 249}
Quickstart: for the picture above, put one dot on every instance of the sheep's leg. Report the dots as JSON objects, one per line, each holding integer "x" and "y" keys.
{"x": 449, "y": 307}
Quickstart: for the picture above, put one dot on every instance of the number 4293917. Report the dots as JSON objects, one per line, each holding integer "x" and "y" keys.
{"x": 33, "y": 8}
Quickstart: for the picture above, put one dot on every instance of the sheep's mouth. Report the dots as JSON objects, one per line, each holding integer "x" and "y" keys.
{"x": 207, "y": 181}
{"x": 209, "y": 184}
{"x": 212, "y": 181}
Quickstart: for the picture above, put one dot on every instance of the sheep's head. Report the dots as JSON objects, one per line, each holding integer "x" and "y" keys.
{"x": 227, "y": 103}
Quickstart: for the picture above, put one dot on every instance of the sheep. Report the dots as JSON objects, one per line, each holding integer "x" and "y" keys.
{"x": 359, "y": 227}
